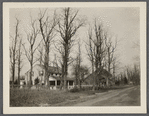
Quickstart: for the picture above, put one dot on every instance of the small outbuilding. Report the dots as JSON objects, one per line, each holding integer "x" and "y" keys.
{"x": 102, "y": 78}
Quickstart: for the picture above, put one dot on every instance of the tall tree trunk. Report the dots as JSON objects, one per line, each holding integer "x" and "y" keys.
{"x": 14, "y": 51}
{"x": 31, "y": 74}
{"x": 109, "y": 66}
{"x": 109, "y": 60}
{"x": 65, "y": 74}
{"x": 80, "y": 83}
{"x": 31, "y": 64}
{"x": 62, "y": 77}
{"x": 19, "y": 61}
{"x": 47, "y": 27}
{"x": 68, "y": 26}
{"x": 14, "y": 58}
{"x": 19, "y": 68}
{"x": 96, "y": 65}
{"x": 13, "y": 70}
{"x": 65, "y": 65}
{"x": 47, "y": 65}
{"x": 94, "y": 79}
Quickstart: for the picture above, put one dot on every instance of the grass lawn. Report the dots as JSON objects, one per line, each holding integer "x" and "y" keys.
{"x": 33, "y": 97}
{"x": 30, "y": 98}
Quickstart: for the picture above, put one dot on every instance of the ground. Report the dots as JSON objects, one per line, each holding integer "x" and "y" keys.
{"x": 115, "y": 96}
{"x": 125, "y": 97}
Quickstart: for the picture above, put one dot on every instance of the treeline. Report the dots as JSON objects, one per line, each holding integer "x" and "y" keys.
{"x": 131, "y": 75}
{"x": 59, "y": 29}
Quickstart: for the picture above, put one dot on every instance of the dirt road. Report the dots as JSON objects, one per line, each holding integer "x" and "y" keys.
{"x": 121, "y": 97}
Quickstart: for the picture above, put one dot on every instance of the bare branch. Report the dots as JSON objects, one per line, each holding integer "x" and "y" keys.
{"x": 26, "y": 53}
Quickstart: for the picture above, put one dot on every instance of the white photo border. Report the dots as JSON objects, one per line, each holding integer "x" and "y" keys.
{"x": 73, "y": 110}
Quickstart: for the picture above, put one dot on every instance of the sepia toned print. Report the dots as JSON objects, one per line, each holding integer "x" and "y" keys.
{"x": 69, "y": 57}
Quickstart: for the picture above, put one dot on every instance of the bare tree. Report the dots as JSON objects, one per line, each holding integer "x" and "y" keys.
{"x": 129, "y": 73}
{"x": 31, "y": 38}
{"x": 19, "y": 59}
{"x": 133, "y": 74}
{"x": 47, "y": 26}
{"x": 96, "y": 48}
{"x": 60, "y": 50}
{"x": 68, "y": 25}
{"x": 79, "y": 70}
{"x": 114, "y": 67}
{"x": 13, "y": 49}
{"x": 79, "y": 59}
{"x": 62, "y": 67}
{"x": 80, "y": 73}
{"x": 100, "y": 50}
{"x": 41, "y": 53}
{"x": 90, "y": 48}
{"x": 110, "y": 51}
{"x": 84, "y": 71}
{"x": 76, "y": 67}
{"x": 136, "y": 74}
{"x": 99, "y": 45}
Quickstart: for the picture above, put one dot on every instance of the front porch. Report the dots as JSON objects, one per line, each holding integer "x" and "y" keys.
{"x": 55, "y": 83}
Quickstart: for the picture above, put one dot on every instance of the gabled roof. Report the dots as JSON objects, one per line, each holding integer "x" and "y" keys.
{"x": 100, "y": 73}
{"x": 59, "y": 78}
{"x": 103, "y": 72}
{"x": 51, "y": 69}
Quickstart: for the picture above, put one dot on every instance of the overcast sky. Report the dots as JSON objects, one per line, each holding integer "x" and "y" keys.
{"x": 123, "y": 23}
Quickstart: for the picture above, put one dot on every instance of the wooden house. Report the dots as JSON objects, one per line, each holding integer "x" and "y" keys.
{"x": 55, "y": 76}
{"x": 102, "y": 78}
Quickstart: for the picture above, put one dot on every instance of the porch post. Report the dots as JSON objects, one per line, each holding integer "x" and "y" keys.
{"x": 55, "y": 83}
{"x": 68, "y": 84}
{"x": 107, "y": 82}
{"x": 73, "y": 83}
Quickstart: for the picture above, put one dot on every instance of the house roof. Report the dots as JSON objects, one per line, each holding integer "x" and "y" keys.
{"x": 51, "y": 69}
{"x": 100, "y": 73}
{"x": 59, "y": 78}
{"x": 103, "y": 72}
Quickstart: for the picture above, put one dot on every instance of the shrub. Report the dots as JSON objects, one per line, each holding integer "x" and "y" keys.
{"x": 87, "y": 88}
{"x": 89, "y": 92}
{"x": 75, "y": 89}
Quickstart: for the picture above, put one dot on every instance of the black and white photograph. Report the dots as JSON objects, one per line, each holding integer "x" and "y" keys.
{"x": 74, "y": 57}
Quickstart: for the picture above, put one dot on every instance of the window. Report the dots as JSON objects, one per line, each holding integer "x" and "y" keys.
{"x": 52, "y": 82}
{"x": 70, "y": 82}
{"x": 58, "y": 82}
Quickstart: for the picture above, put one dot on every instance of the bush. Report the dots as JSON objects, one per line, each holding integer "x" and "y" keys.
{"x": 86, "y": 88}
{"x": 36, "y": 81}
{"x": 89, "y": 92}
{"x": 75, "y": 89}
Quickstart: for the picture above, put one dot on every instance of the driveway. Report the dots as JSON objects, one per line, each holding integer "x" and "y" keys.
{"x": 121, "y": 97}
